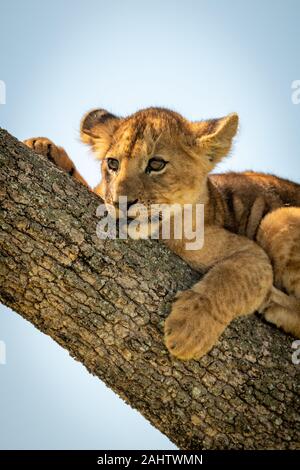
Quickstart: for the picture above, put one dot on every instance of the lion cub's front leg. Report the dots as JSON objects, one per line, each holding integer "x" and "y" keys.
{"x": 55, "y": 154}
{"x": 238, "y": 282}
{"x": 192, "y": 328}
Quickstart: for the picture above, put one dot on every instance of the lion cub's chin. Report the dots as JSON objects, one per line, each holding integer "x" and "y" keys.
{"x": 138, "y": 230}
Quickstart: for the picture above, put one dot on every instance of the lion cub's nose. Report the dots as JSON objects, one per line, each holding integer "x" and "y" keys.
{"x": 128, "y": 204}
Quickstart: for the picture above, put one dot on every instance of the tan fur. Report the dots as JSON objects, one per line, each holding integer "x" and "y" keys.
{"x": 56, "y": 154}
{"x": 251, "y": 252}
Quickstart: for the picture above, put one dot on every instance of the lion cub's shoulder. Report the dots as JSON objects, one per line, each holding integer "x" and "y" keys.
{"x": 241, "y": 200}
{"x": 249, "y": 185}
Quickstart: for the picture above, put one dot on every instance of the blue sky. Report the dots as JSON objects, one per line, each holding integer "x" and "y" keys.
{"x": 60, "y": 58}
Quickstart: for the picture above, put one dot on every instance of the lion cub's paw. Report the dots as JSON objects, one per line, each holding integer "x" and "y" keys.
{"x": 55, "y": 154}
{"x": 190, "y": 329}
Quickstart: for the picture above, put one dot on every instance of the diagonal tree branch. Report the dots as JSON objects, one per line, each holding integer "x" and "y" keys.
{"x": 105, "y": 302}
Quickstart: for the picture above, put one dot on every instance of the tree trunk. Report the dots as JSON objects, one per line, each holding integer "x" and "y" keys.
{"x": 106, "y": 301}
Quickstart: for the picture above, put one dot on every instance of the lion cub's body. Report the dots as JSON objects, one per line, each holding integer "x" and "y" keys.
{"x": 241, "y": 200}
{"x": 251, "y": 251}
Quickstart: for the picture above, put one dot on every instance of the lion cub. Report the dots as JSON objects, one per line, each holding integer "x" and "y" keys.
{"x": 251, "y": 250}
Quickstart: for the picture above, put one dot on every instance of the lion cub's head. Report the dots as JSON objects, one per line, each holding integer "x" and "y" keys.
{"x": 155, "y": 156}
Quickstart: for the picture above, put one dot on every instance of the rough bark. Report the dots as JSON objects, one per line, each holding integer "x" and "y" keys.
{"x": 106, "y": 301}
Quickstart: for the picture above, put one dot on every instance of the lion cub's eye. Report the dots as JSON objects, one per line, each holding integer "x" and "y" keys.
{"x": 155, "y": 164}
{"x": 113, "y": 164}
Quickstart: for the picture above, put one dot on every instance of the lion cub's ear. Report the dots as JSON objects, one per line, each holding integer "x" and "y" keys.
{"x": 214, "y": 137}
{"x": 97, "y": 128}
